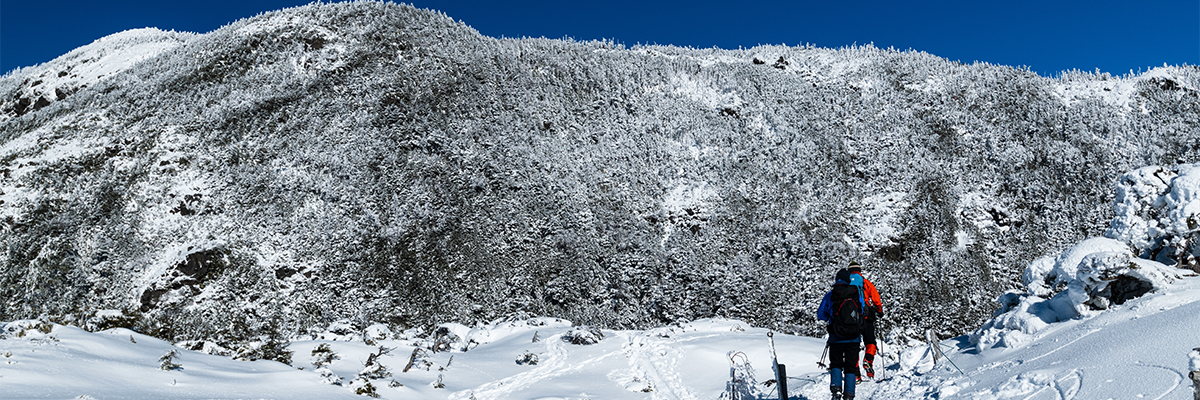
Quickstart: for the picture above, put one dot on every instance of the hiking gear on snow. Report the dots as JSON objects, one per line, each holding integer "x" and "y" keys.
{"x": 821, "y": 362}
{"x": 842, "y": 308}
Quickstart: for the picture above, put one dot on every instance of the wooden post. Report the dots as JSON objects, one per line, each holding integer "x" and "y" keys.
{"x": 781, "y": 380}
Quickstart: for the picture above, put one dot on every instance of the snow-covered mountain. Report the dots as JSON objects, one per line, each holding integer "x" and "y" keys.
{"x": 380, "y": 164}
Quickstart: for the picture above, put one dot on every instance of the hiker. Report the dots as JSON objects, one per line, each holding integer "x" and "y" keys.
{"x": 874, "y": 311}
{"x": 842, "y": 308}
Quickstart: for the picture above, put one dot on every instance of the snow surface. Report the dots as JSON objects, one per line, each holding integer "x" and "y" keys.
{"x": 1136, "y": 350}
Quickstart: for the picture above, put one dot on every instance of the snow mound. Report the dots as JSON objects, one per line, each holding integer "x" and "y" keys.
{"x": 1093, "y": 275}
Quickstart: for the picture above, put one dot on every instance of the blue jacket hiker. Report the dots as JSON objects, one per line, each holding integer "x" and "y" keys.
{"x": 842, "y": 308}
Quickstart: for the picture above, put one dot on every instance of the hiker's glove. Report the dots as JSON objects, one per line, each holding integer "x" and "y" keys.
{"x": 878, "y": 314}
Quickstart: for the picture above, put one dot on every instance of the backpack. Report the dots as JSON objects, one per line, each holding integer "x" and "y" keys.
{"x": 847, "y": 318}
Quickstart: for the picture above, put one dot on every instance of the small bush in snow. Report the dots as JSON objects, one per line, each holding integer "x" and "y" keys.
{"x": 527, "y": 359}
{"x": 167, "y": 361}
{"x": 363, "y": 387}
{"x": 419, "y": 359}
{"x": 373, "y": 368}
{"x": 375, "y": 333}
{"x": 328, "y": 377}
{"x": 22, "y": 328}
{"x": 108, "y": 319}
{"x": 583, "y": 335}
{"x": 444, "y": 340}
{"x": 322, "y": 355}
{"x": 270, "y": 347}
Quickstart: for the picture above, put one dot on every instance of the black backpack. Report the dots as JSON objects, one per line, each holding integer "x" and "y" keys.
{"x": 847, "y": 318}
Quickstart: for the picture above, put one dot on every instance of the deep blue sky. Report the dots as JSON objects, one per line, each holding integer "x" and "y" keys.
{"x": 1047, "y": 36}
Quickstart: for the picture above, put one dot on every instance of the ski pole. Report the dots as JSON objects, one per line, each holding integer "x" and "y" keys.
{"x": 821, "y": 362}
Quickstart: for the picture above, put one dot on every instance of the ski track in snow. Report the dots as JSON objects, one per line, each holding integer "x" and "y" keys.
{"x": 655, "y": 361}
{"x": 498, "y": 389}
{"x": 1063, "y": 346}
{"x": 555, "y": 365}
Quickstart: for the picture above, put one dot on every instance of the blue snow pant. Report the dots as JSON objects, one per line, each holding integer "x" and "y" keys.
{"x": 843, "y": 360}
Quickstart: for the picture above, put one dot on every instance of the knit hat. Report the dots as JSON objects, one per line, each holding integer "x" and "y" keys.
{"x": 854, "y": 267}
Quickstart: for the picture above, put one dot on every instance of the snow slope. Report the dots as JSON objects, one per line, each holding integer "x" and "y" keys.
{"x": 1135, "y": 350}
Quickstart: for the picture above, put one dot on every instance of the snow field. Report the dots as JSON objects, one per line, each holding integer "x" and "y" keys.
{"x": 1140, "y": 349}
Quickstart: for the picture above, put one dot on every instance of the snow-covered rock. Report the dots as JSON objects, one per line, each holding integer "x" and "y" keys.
{"x": 1092, "y": 275}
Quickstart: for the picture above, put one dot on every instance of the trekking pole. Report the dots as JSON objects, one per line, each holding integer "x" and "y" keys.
{"x": 780, "y": 371}
{"x": 821, "y": 362}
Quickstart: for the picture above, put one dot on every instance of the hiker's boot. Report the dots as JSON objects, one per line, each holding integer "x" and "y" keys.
{"x": 867, "y": 366}
{"x": 848, "y": 396}
{"x": 837, "y": 392}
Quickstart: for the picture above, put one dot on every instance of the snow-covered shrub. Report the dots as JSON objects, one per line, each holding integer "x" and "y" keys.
{"x": 376, "y": 332}
{"x": 527, "y": 358}
{"x": 26, "y": 327}
{"x": 328, "y": 377}
{"x": 418, "y": 359}
{"x": 322, "y": 355}
{"x": 272, "y": 347}
{"x": 1158, "y": 213}
{"x": 373, "y": 368}
{"x": 363, "y": 387}
{"x": 742, "y": 383}
{"x": 340, "y": 330}
{"x": 108, "y": 319}
{"x": 167, "y": 361}
{"x": 448, "y": 337}
{"x": 205, "y": 346}
{"x": 583, "y": 335}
